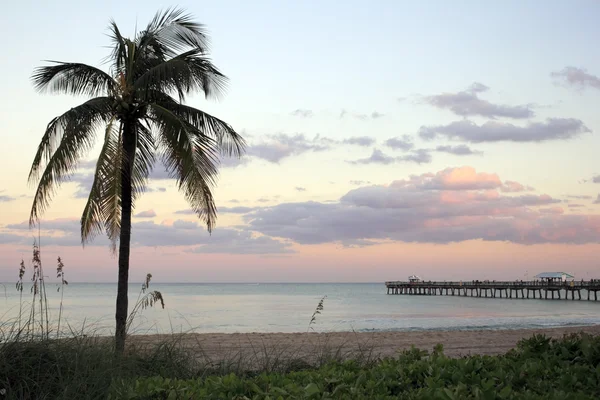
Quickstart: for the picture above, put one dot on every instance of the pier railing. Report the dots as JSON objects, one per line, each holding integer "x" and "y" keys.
{"x": 507, "y": 289}
{"x": 594, "y": 283}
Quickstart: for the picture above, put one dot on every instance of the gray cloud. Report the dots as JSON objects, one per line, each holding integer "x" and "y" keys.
{"x": 596, "y": 179}
{"x": 4, "y": 198}
{"x": 85, "y": 180}
{"x": 422, "y": 209}
{"x": 377, "y": 157}
{"x": 419, "y": 156}
{"x": 362, "y": 116}
{"x": 551, "y": 210}
{"x": 146, "y": 214}
{"x": 577, "y": 77}
{"x": 467, "y": 103}
{"x": 580, "y": 197}
{"x": 492, "y": 131}
{"x": 303, "y": 113}
{"x": 403, "y": 143}
{"x": 364, "y": 141}
{"x": 514, "y": 187}
{"x": 263, "y": 200}
{"x": 88, "y": 164}
{"x": 458, "y": 150}
{"x": 300, "y": 189}
{"x": 575, "y": 205}
{"x": 237, "y": 210}
{"x": 280, "y": 146}
{"x": 185, "y": 212}
{"x": 597, "y": 201}
{"x": 359, "y": 183}
{"x": 147, "y": 233}
{"x": 223, "y": 210}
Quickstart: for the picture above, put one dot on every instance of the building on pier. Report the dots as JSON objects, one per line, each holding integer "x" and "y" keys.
{"x": 414, "y": 279}
{"x": 554, "y": 276}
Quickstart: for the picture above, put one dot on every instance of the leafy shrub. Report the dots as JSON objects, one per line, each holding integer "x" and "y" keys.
{"x": 539, "y": 368}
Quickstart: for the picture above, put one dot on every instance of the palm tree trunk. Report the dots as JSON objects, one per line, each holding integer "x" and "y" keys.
{"x": 125, "y": 235}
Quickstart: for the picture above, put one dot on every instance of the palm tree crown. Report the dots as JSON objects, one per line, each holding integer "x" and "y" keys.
{"x": 139, "y": 103}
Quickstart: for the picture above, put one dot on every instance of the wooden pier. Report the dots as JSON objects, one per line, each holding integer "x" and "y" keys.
{"x": 494, "y": 289}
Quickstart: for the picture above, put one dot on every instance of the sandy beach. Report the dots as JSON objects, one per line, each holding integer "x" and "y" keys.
{"x": 217, "y": 347}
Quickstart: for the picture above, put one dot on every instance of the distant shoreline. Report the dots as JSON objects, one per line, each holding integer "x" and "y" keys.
{"x": 223, "y": 346}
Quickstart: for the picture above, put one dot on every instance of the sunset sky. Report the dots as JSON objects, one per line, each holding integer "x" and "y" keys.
{"x": 454, "y": 140}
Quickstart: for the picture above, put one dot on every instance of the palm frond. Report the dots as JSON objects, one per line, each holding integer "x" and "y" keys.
{"x": 185, "y": 73}
{"x": 90, "y": 113}
{"x": 191, "y": 158}
{"x": 174, "y": 30}
{"x": 103, "y": 208}
{"x": 96, "y": 213}
{"x": 73, "y": 78}
{"x": 144, "y": 159}
{"x": 76, "y": 129}
{"x": 229, "y": 141}
{"x": 118, "y": 56}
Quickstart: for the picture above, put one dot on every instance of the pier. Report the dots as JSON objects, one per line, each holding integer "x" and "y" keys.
{"x": 546, "y": 290}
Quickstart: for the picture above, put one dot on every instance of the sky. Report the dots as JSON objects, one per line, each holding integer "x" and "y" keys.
{"x": 454, "y": 140}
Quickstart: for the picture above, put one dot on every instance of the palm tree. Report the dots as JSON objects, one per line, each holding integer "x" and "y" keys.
{"x": 140, "y": 108}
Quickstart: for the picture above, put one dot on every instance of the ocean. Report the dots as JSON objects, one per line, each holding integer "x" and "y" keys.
{"x": 288, "y": 307}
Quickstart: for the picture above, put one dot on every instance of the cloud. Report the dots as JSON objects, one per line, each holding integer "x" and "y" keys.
{"x": 419, "y": 156}
{"x": 300, "y": 189}
{"x": 580, "y": 197}
{"x": 467, "y": 103}
{"x": 236, "y": 210}
{"x": 378, "y": 157}
{"x": 577, "y": 77}
{"x": 596, "y": 179}
{"x": 147, "y": 233}
{"x": 303, "y": 113}
{"x": 597, "y": 201}
{"x": 362, "y": 116}
{"x": 403, "y": 143}
{"x": 4, "y": 198}
{"x": 453, "y": 205}
{"x": 88, "y": 164}
{"x": 359, "y": 183}
{"x": 364, "y": 141}
{"x": 263, "y": 200}
{"x": 574, "y": 205}
{"x": 513, "y": 187}
{"x": 458, "y": 150}
{"x": 222, "y": 210}
{"x": 185, "y": 212}
{"x": 85, "y": 180}
{"x": 551, "y": 210}
{"x": 493, "y": 131}
{"x": 146, "y": 214}
{"x": 277, "y": 147}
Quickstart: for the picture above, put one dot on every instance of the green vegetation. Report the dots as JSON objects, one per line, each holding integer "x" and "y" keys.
{"x": 86, "y": 368}
{"x": 139, "y": 108}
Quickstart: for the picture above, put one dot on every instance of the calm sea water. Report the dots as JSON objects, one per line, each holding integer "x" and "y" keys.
{"x": 288, "y": 308}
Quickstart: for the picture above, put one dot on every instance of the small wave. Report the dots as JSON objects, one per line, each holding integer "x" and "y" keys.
{"x": 481, "y": 327}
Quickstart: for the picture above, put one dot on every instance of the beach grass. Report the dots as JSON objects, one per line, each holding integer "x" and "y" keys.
{"x": 86, "y": 367}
